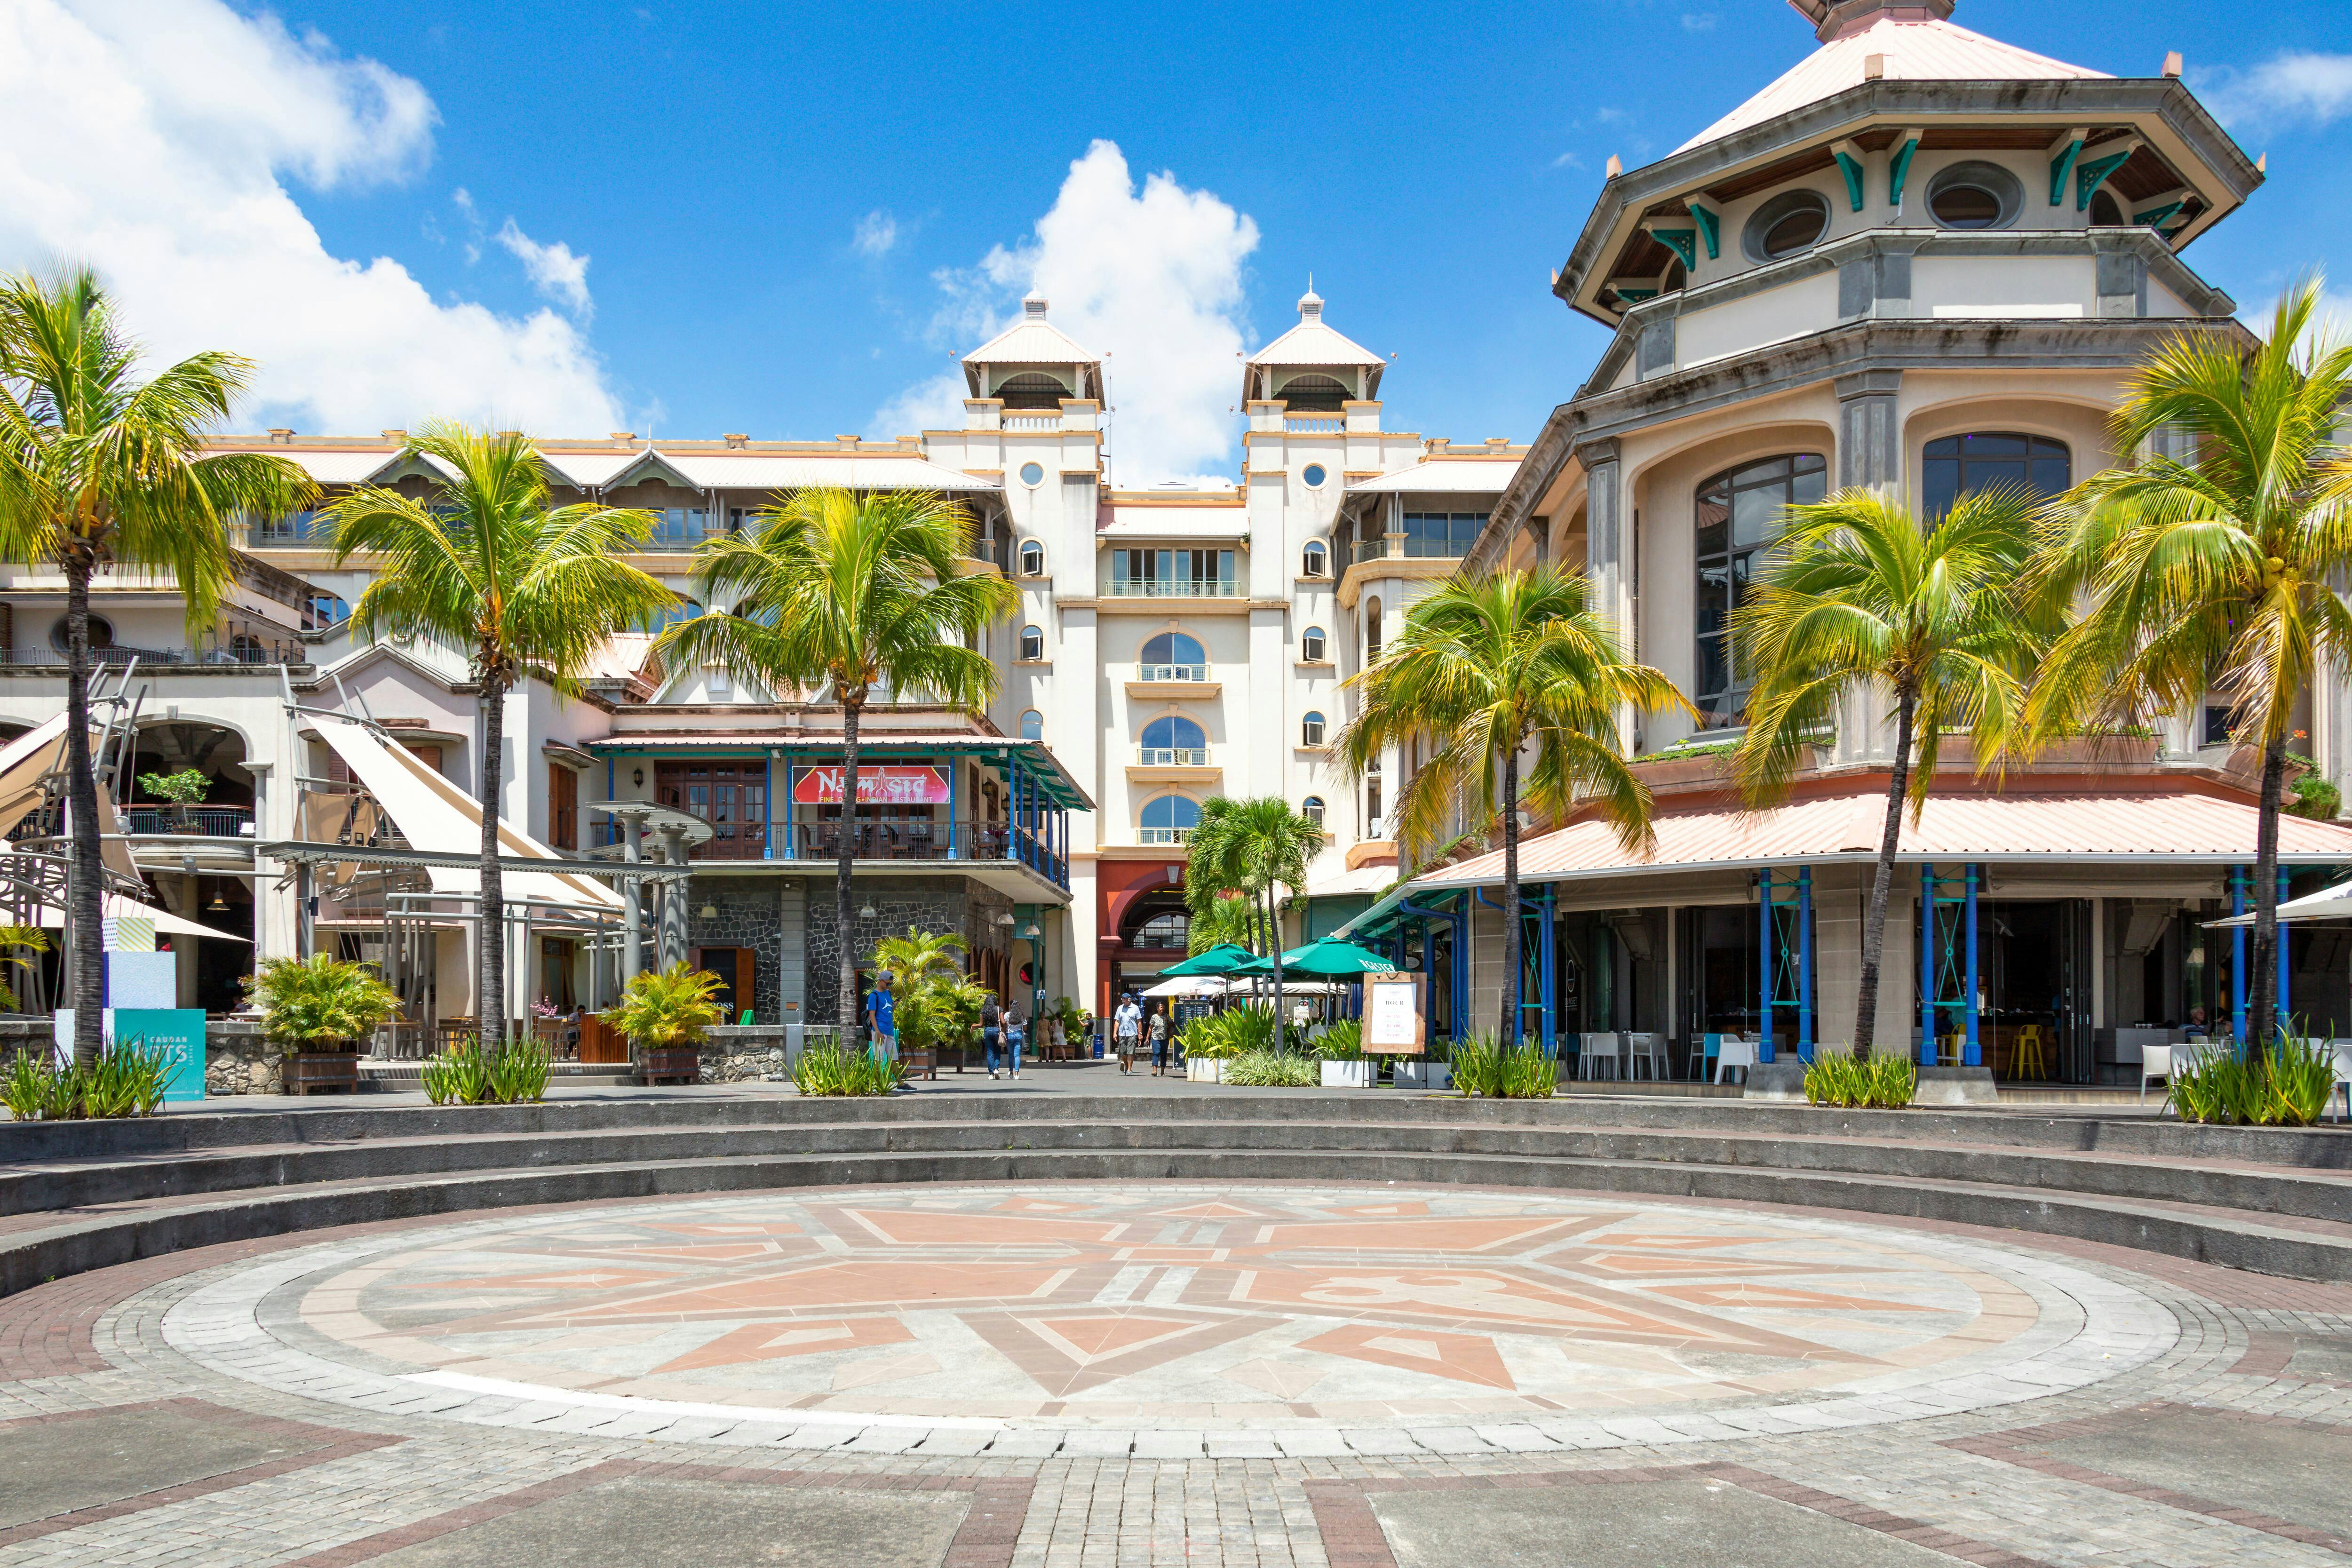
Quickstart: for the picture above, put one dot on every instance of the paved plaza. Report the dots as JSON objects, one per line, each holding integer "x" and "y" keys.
{"x": 1177, "y": 1372}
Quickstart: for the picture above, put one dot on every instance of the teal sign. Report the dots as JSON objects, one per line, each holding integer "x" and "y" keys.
{"x": 179, "y": 1034}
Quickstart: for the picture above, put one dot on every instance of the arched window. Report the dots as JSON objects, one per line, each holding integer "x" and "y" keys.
{"x": 1975, "y": 195}
{"x": 1791, "y": 223}
{"x": 1311, "y": 808}
{"x": 1172, "y": 741}
{"x": 1032, "y": 558}
{"x": 1172, "y": 656}
{"x": 1167, "y": 929}
{"x": 1033, "y": 725}
{"x": 2032, "y": 466}
{"x": 1170, "y": 819}
{"x": 1310, "y": 728}
{"x": 1315, "y": 561}
{"x": 1310, "y": 644}
{"x": 2107, "y": 212}
{"x": 1032, "y": 643}
{"x": 1371, "y": 631}
{"x": 1032, "y": 389}
{"x": 1739, "y": 518}
{"x": 1314, "y": 395}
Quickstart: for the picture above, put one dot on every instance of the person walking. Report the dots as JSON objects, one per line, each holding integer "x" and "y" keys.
{"x": 882, "y": 1018}
{"x": 992, "y": 1030}
{"x": 1157, "y": 1032}
{"x": 1014, "y": 1037}
{"x": 1126, "y": 1028}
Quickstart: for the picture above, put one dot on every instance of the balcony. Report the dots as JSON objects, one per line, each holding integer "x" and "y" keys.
{"x": 1156, "y": 673}
{"x": 1163, "y": 834}
{"x": 251, "y": 652}
{"x": 1173, "y": 588}
{"x": 902, "y": 840}
{"x": 295, "y": 530}
{"x": 206, "y": 821}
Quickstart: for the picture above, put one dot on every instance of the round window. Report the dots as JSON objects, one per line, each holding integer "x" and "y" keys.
{"x": 1314, "y": 476}
{"x": 1975, "y": 195}
{"x": 1033, "y": 473}
{"x": 1791, "y": 223}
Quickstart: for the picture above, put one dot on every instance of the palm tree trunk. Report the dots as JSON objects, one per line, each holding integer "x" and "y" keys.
{"x": 844, "y": 856}
{"x": 2262, "y": 1025}
{"x": 490, "y": 931}
{"x": 1511, "y": 929}
{"x": 1274, "y": 935}
{"x": 1874, "y": 929}
{"x": 85, "y": 888}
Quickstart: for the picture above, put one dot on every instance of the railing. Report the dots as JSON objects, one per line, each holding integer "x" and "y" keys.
{"x": 1370, "y": 549}
{"x": 676, "y": 526}
{"x": 211, "y": 821}
{"x": 245, "y": 651}
{"x": 1033, "y": 421}
{"x": 1173, "y": 588}
{"x": 1173, "y": 756}
{"x": 1420, "y": 548}
{"x": 1164, "y": 835}
{"x": 1313, "y": 425}
{"x": 295, "y": 529}
{"x": 1171, "y": 672}
{"x": 913, "y": 839}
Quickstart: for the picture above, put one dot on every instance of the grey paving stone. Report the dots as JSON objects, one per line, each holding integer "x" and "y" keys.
{"x": 59, "y": 1466}
{"x": 1025, "y": 1444}
{"x": 1168, "y": 1445}
{"x": 1314, "y": 1443}
{"x": 2290, "y": 1471}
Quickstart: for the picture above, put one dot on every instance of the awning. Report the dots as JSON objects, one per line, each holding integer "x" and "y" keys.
{"x": 1350, "y": 884}
{"x": 31, "y": 758}
{"x": 433, "y": 813}
{"x": 2327, "y": 904}
{"x": 166, "y": 922}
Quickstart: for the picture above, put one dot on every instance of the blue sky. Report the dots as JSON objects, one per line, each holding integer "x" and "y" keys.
{"x": 716, "y": 166}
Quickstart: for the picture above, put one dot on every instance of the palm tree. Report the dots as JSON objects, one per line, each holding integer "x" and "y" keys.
{"x": 527, "y": 590}
{"x": 1487, "y": 665}
{"x": 1255, "y": 847}
{"x": 1218, "y": 917}
{"x": 100, "y": 467}
{"x": 1859, "y": 597}
{"x": 869, "y": 593}
{"x": 2217, "y": 573}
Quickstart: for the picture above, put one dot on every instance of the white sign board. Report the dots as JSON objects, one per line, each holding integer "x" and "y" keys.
{"x": 1392, "y": 1015}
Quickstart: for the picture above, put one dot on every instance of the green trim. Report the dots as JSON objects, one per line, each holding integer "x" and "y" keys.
{"x": 2060, "y": 167}
{"x": 1632, "y": 295}
{"x": 1683, "y": 242}
{"x": 2156, "y": 217}
{"x": 2090, "y": 176}
{"x": 1710, "y": 228}
{"x": 1899, "y": 169}
{"x": 1851, "y": 167}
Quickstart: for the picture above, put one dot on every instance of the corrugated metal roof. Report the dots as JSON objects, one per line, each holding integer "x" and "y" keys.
{"x": 850, "y": 470}
{"x": 586, "y": 470}
{"x": 1312, "y": 342}
{"x": 1913, "y": 49}
{"x": 334, "y": 468}
{"x": 1037, "y": 342}
{"x": 1453, "y": 475}
{"x": 2119, "y": 828}
{"x": 1176, "y": 522}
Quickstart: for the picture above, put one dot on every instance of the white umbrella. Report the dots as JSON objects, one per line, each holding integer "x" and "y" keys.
{"x": 2327, "y": 904}
{"x": 1186, "y": 986}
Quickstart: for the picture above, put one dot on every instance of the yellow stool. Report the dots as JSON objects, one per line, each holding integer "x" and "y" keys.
{"x": 2025, "y": 1057}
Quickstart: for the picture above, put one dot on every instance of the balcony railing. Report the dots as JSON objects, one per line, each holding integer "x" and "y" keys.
{"x": 1370, "y": 549}
{"x": 915, "y": 838}
{"x": 1173, "y": 756}
{"x": 1171, "y": 672}
{"x": 244, "y": 651}
{"x": 1313, "y": 425}
{"x": 1165, "y": 834}
{"x": 1173, "y": 588}
{"x": 210, "y": 821}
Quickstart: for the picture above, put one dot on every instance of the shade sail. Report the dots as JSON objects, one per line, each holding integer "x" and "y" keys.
{"x": 1221, "y": 958}
{"x": 31, "y": 758}
{"x": 166, "y": 922}
{"x": 1330, "y": 958}
{"x": 2327, "y": 904}
{"x": 433, "y": 813}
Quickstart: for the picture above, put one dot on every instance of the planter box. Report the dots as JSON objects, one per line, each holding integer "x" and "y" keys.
{"x": 683, "y": 1063}
{"x": 1412, "y": 1072}
{"x": 1209, "y": 1070}
{"x": 310, "y": 1071}
{"x": 1348, "y": 1075}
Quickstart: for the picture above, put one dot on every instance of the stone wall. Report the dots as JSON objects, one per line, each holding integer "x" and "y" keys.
{"x": 749, "y": 913}
{"x": 237, "y": 1060}
{"x": 927, "y": 903}
{"x": 734, "y": 1055}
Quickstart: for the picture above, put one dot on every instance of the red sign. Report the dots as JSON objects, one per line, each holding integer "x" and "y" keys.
{"x": 876, "y": 786}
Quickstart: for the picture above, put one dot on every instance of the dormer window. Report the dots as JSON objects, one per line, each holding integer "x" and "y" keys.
{"x": 1975, "y": 195}
{"x": 1789, "y": 225}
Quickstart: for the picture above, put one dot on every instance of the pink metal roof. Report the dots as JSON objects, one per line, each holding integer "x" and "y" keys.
{"x": 2121, "y": 828}
{"x": 1912, "y": 49}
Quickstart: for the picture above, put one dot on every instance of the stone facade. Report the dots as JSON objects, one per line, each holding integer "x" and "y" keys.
{"x": 239, "y": 1060}
{"x": 927, "y": 903}
{"x": 749, "y": 913}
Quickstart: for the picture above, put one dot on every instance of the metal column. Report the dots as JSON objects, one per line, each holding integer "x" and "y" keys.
{"x": 1764, "y": 1046}
{"x": 1971, "y": 1048}
{"x": 1925, "y": 1056}
{"x": 2285, "y": 967}
{"x": 2238, "y": 937}
{"x": 1805, "y": 963}
{"x": 674, "y": 895}
{"x": 633, "y": 923}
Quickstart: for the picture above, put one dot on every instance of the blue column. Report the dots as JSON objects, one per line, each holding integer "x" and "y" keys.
{"x": 768, "y": 807}
{"x": 1805, "y": 963}
{"x": 1764, "y": 966}
{"x": 792, "y": 849}
{"x": 955, "y": 800}
{"x": 1428, "y": 968}
{"x": 1544, "y": 973}
{"x": 2238, "y": 956}
{"x": 1971, "y": 1052}
{"x": 1926, "y": 966}
{"x": 2284, "y": 966}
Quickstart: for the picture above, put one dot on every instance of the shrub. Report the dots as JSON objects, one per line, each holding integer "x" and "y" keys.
{"x": 673, "y": 1006}
{"x": 2289, "y": 1087}
{"x": 321, "y": 1002}
{"x": 1229, "y": 1033}
{"x": 187, "y": 787}
{"x": 510, "y": 1074}
{"x": 2316, "y": 798}
{"x": 1881, "y": 1082}
{"x": 1342, "y": 1042}
{"x": 1272, "y": 1069}
{"x": 127, "y": 1080}
{"x": 1485, "y": 1066}
{"x": 825, "y": 1067}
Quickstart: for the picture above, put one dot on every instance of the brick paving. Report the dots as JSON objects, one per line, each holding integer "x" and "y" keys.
{"x": 1951, "y": 1483}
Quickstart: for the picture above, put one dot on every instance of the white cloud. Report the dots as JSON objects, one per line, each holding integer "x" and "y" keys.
{"x": 2296, "y": 87}
{"x": 1150, "y": 280}
{"x": 552, "y": 269}
{"x": 1699, "y": 21}
{"x": 154, "y": 141}
{"x": 876, "y": 232}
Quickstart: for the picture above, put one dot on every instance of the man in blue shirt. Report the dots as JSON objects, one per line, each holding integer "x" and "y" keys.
{"x": 881, "y": 1018}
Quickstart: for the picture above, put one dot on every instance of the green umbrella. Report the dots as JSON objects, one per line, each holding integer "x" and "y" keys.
{"x": 1330, "y": 959}
{"x": 1222, "y": 959}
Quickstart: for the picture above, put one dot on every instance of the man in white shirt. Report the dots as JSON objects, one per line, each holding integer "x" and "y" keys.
{"x": 1126, "y": 1028}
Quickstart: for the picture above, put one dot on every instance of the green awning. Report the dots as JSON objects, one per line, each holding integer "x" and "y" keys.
{"x": 1330, "y": 959}
{"x": 1222, "y": 959}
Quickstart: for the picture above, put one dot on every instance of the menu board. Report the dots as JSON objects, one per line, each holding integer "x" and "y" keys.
{"x": 1392, "y": 1015}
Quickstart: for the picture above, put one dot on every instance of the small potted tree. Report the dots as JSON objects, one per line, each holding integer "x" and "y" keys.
{"x": 665, "y": 1013}
{"x": 181, "y": 791}
{"x": 318, "y": 1011}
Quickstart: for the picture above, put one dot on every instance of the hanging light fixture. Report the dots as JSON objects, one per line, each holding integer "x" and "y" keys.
{"x": 710, "y": 911}
{"x": 866, "y": 913}
{"x": 219, "y": 906}
{"x": 639, "y": 775}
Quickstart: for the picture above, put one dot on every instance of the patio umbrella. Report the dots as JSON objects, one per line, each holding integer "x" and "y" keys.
{"x": 1222, "y": 959}
{"x": 1331, "y": 959}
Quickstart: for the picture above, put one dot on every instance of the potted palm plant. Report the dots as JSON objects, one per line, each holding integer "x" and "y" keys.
{"x": 318, "y": 1011}
{"x": 665, "y": 1013}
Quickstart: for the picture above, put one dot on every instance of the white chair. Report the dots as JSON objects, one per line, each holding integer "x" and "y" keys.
{"x": 1647, "y": 1048}
{"x": 2343, "y": 1051}
{"x": 2155, "y": 1062}
{"x": 1599, "y": 1051}
{"x": 1741, "y": 1054}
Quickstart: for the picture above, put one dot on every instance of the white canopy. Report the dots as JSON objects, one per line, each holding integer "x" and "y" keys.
{"x": 2327, "y": 904}
{"x": 166, "y": 922}
{"x": 1186, "y": 986}
{"x": 30, "y": 758}
{"x": 435, "y": 814}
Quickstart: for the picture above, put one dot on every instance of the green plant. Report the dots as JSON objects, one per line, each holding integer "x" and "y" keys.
{"x": 865, "y": 592}
{"x": 2286, "y": 1085}
{"x": 1342, "y": 1042}
{"x": 187, "y": 787}
{"x": 127, "y": 1080}
{"x": 461, "y": 1074}
{"x": 1271, "y": 1070}
{"x": 481, "y": 561}
{"x": 2316, "y": 798}
{"x": 1252, "y": 849}
{"x": 1884, "y": 1082}
{"x": 826, "y": 1067}
{"x": 1215, "y": 1036}
{"x": 321, "y": 1002}
{"x": 518, "y": 1072}
{"x": 105, "y": 470}
{"x": 17, "y": 945}
{"x": 671, "y": 1006}
{"x": 935, "y": 1002}
{"x": 1482, "y": 1066}
{"x": 25, "y": 1087}
{"x": 1487, "y": 666}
